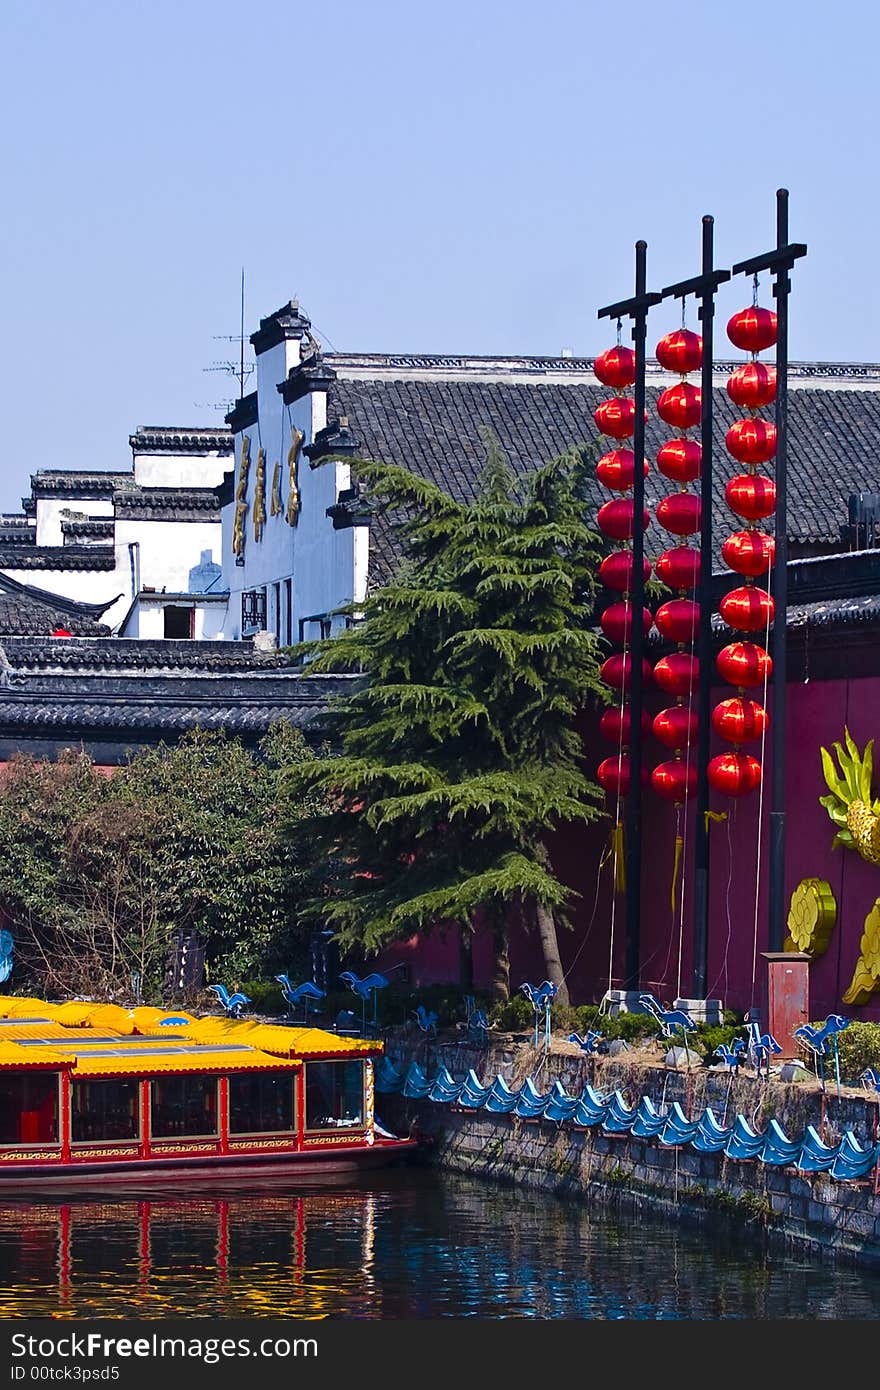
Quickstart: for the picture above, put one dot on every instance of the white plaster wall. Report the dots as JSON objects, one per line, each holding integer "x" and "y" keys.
{"x": 180, "y": 470}
{"x": 85, "y": 586}
{"x": 324, "y": 573}
{"x": 168, "y": 550}
{"x": 50, "y": 514}
{"x": 148, "y": 619}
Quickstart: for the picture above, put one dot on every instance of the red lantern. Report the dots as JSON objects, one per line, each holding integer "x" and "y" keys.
{"x": 681, "y": 405}
{"x": 615, "y": 519}
{"x": 679, "y": 568}
{"x": 677, "y": 674}
{"x": 744, "y": 664}
{"x": 617, "y": 671}
{"x": 616, "y": 417}
{"x": 680, "y": 460}
{"x": 749, "y": 552}
{"x": 752, "y": 440}
{"x": 617, "y": 470}
{"x": 679, "y": 513}
{"x": 681, "y": 351}
{"x": 616, "y": 571}
{"x": 616, "y": 724}
{"x": 752, "y": 386}
{"x": 734, "y": 774}
{"x": 752, "y": 329}
{"x": 614, "y": 774}
{"x": 675, "y": 781}
{"x": 616, "y": 367}
{"x": 675, "y": 727}
{"x": 739, "y": 720}
{"x": 751, "y": 495}
{"x": 678, "y": 620}
{"x": 616, "y": 621}
{"x": 747, "y": 609}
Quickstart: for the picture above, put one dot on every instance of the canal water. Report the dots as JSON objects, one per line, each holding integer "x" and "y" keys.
{"x": 409, "y": 1243}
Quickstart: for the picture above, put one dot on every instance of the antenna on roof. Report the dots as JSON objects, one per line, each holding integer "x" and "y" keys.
{"x": 241, "y": 369}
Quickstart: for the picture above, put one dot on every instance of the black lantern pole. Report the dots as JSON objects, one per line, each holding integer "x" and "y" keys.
{"x": 780, "y": 261}
{"x": 704, "y": 287}
{"x": 635, "y": 309}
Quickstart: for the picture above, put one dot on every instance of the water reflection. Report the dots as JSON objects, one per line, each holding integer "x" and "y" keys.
{"x": 405, "y": 1244}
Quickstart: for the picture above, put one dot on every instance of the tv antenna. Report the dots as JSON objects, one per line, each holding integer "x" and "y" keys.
{"x": 241, "y": 369}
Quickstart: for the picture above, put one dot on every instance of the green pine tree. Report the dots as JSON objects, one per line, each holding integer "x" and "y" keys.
{"x": 458, "y": 752}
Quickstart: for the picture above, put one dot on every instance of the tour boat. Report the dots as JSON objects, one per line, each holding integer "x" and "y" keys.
{"x": 93, "y": 1094}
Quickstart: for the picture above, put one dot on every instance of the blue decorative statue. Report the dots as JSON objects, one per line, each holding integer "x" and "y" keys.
{"x": 307, "y": 994}
{"x": 818, "y": 1040}
{"x": 370, "y": 984}
{"x": 6, "y": 946}
{"x": 541, "y": 997}
{"x": 426, "y": 1019}
{"x": 232, "y": 1003}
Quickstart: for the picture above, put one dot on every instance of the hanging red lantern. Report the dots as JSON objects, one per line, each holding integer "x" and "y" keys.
{"x": 614, "y": 774}
{"x": 616, "y": 367}
{"x": 751, "y": 495}
{"x": 749, "y": 552}
{"x": 734, "y": 774}
{"x": 752, "y": 440}
{"x": 675, "y": 780}
{"x": 681, "y": 405}
{"x": 679, "y": 513}
{"x": 678, "y": 620}
{"x": 752, "y": 385}
{"x": 680, "y": 460}
{"x": 616, "y": 571}
{"x": 752, "y": 329}
{"x": 615, "y": 519}
{"x": 675, "y": 727}
{"x": 681, "y": 351}
{"x": 616, "y": 671}
{"x": 744, "y": 664}
{"x": 677, "y": 674}
{"x": 739, "y": 719}
{"x": 746, "y": 609}
{"x": 617, "y": 470}
{"x": 616, "y": 724}
{"x": 616, "y": 622}
{"x": 616, "y": 417}
{"x": 678, "y": 568}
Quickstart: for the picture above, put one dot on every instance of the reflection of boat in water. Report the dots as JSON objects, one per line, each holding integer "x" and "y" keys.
{"x": 96, "y": 1094}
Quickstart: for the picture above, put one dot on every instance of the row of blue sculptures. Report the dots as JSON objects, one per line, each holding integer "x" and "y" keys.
{"x": 668, "y": 1126}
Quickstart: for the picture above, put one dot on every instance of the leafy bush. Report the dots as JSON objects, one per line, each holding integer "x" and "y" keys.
{"x": 710, "y": 1036}
{"x": 858, "y": 1048}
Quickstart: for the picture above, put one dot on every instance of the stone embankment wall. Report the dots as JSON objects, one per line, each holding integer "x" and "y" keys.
{"x": 837, "y": 1220}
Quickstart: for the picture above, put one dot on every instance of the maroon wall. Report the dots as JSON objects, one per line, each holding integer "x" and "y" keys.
{"x": 817, "y": 714}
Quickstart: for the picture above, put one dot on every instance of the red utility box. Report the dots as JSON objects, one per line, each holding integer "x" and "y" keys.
{"x": 788, "y": 997}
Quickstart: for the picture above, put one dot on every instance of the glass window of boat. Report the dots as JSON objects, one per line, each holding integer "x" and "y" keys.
{"x": 105, "y": 1110}
{"x": 29, "y": 1107}
{"x": 183, "y": 1106}
{"x": 334, "y": 1094}
{"x": 260, "y": 1103}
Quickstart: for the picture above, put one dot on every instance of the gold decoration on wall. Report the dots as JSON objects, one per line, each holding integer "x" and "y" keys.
{"x": 241, "y": 505}
{"x": 849, "y": 804}
{"x": 293, "y": 502}
{"x": 275, "y": 507}
{"x": 812, "y": 916}
{"x": 260, "y": 495}
{"x": 866, "y": 977}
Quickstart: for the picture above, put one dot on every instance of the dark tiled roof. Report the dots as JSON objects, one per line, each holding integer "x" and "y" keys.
{"x": 49, "y": 481}
{"x": 167, "y": 504}
{"x": 179, "y": 439}
{"x": 57, "y": 557}
{"x": 24, "y": 615}
{"x": 431, "y": 426}
{"x": 143, "y": 655}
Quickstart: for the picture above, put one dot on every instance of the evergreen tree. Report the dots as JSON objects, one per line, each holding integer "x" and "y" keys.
{"x": 459, "y": 752}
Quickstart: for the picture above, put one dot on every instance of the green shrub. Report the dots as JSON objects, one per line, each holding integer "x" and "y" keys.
{"x": 858, "y": 1048}
{"x": 709, "y": 1036}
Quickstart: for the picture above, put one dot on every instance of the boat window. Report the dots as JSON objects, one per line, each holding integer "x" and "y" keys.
{"x": 29, "y": 1108}
{"x": 183, "y": 1106}
{"x": 105, "y": 1110}
{"x": 334, "y": 1094}
{"x": 260, "y": 1103}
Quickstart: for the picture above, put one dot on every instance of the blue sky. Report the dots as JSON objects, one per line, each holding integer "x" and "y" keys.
{"x": 464, "y": 177}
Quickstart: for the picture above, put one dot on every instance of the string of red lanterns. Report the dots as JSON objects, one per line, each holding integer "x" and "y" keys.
{"x": 616, "y": 471}
{"x": 747, "y": 609}
{"x": 677, "y": 619}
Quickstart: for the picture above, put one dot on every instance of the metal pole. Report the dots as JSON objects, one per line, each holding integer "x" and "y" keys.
{"x": 776, "y": 935}
{"x": 704, "y": 636}
{"x": 633, "y": 843}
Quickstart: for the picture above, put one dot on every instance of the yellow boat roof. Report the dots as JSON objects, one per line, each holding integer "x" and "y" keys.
{"x": 110, "y": 1040}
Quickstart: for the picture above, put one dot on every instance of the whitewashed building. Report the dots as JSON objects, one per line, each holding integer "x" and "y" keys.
{"x": 143, "y": 543}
